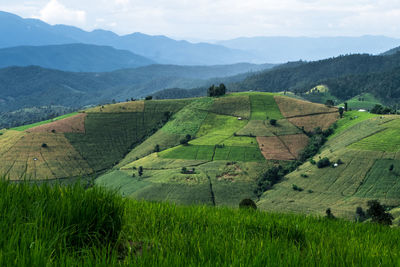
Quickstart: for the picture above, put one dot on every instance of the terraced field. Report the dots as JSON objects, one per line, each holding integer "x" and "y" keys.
{"x": 225, "y": 156}
{"x": 369, "y": 152}
{"x": 264, "y": 107}
{"x": 80, "y": 144}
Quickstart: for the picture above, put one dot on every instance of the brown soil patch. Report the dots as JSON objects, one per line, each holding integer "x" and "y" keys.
{"x": 273, "y": 148}
{"x": 74, "y": 124}
{"x": 295, "y": 142}
{"x": 313, "y": 121}
{"x": 291, "y": 107}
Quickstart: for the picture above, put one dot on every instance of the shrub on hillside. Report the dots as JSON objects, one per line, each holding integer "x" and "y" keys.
{"x": 324, "y": 162}
{"x": 329, "y": 214}
{"x": 272, "y": 122}
{"x": 247, "y": 204}
{"x": 378, "y": 213}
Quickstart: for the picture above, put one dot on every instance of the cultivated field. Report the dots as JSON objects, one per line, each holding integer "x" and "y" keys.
{"x": 28, "y": 158}
{"x": 189, "y": 119}
{"x": 309, "y": 123}
{"x": 237, "y": 106}
{"x": 273, "y": 148}
{"x": 264, "y": 107}
{"x": 291, "y": 107}
{"x": 74, "y": 124}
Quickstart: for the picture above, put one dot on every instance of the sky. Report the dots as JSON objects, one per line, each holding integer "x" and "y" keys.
{"x": 206, "y": 20}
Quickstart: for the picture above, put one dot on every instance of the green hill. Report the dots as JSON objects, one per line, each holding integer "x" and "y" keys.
{"x": 232, "y": 144}
{"x": 216, "y": 150}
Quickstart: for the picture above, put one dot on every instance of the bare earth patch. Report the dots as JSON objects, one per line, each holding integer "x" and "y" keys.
{"x": 291, "y": 107}
{"x": 311, "y": 122}
{"x": 74, "y": 124}
{"x": 273, "y": 148}
{"x": 295, "y": 142}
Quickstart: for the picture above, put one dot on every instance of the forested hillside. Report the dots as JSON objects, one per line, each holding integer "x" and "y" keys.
{"x": 22, "y": 87}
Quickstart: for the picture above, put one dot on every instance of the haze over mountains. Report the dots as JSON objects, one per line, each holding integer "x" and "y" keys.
{"x": 283, "y": 49}
{"x": 164, "y": 50}
{"x": 72, "y": 57}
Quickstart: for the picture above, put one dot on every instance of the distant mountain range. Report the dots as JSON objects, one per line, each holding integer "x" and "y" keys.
{"x": 164, "y": 50}
{"x": 72, "y": 57}
{"x": 161, "y": 49}
{"x": 283, "y": 49}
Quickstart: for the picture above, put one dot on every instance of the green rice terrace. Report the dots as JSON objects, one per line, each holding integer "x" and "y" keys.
{"x": 216, "y": 151}
{"x": 161, "y": 180}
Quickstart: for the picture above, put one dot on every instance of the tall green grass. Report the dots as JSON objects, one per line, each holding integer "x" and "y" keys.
{"x": 43, "y": 225}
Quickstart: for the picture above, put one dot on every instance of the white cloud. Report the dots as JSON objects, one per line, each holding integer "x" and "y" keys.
{"x": 220, "y": 19}
{"x": 56, "y": 13}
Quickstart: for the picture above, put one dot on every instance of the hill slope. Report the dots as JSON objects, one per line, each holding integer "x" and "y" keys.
{"x": 72, "y": 57}
{"x": 301, "y": 78}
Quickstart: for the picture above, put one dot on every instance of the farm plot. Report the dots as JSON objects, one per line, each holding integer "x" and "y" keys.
{"x": 309, "y": 123}
{"x": 132, "y": 106}
{"x": 189, "y": 119}
{"x": 273, "y": 148}
{"x": 291, "y": 107}
{"x": 43, "y": 156}
{"x": 74, "y": 124}
{"x": 161, "y": 138}
{"x": 387, "y": 140}
{"x": 382, "y": 182}
{"x": 155, "y": 106}
{"x": 189, "y": 152}
{"x": 110, "y": 136}
{"x": 295, "y": 143}
{"x": 255, "y": 128}
{"x": 217, "y": 128}
{"x": 263, "y": 107}
{"x": 238, "y": 106}
{"x": 153, "y": 161}
{"x": 282, "y": 127}
{"x": 351, "y": 118}
{"x": 240, "y": 141}
{"x": 8, "y": 139}
{"x": 238, "y": 153}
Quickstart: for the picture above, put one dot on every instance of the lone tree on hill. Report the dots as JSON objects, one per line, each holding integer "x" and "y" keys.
{"x": 216, "y": 90}
{"x": 329, "y": 214}
{"x": 140, "y": 171}
{"x": 272, "y": 122}
{"x": 378, "y": 213}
